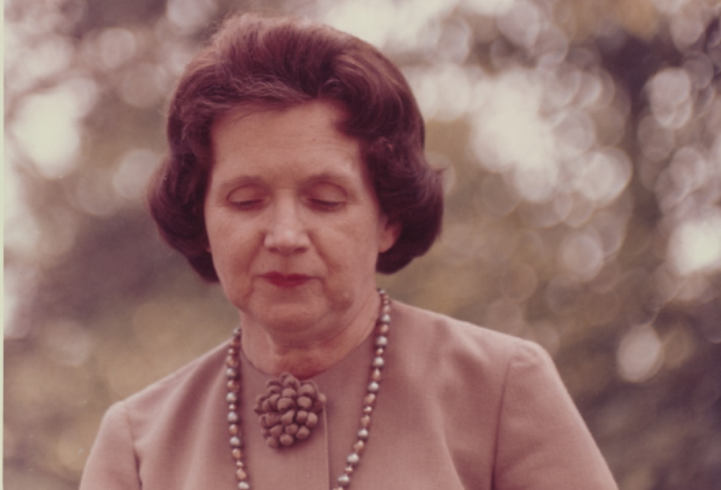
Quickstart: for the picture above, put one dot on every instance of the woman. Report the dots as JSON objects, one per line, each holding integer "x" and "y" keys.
{"x": 296, "y": 171}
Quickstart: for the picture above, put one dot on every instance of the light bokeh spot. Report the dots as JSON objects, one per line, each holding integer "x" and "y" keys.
{"x": 522, "y": 23}
{"x": 489, "y": 7}
{"x": 670, "y": 97}
{"x": 509, "y": 133}
{"x": 640, "y": 354}
{"x": 695, "y": 245}
{"x": 602, "y": 175}
{"x": 581, "y": 254}
{"x": 144, "y": 85}
{"x": 116, "y": 46}
{"x": 67, "y": 343}
{"x": 47, "y": 131}
{"x": 188, "y": 14}
{"x": 133, "y": 172}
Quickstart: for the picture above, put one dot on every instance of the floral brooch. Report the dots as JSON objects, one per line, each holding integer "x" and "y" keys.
{"x": 288, "y": 410}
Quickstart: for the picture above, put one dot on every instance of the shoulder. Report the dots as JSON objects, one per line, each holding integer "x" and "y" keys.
{"x": 112, "y": 463}
{"x": 188, "y": 378}
{"x": 177, "y": 396}
{"x": 449, "y": 338}
{"x": 136, "y": 433}
{"x": 150, "y": 417}
{"x": 437, "y": 353}
{"x": 493, "y": 387}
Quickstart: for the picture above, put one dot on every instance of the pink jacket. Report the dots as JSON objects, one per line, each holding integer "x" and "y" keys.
{"x": 460, "y": 407}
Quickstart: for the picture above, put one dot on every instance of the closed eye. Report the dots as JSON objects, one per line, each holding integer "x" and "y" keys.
{"x": 247, "y": 197}
{"x": 326, "y": 196}
{"x": 247, "y": 204}
{"x": 326, "y": 205}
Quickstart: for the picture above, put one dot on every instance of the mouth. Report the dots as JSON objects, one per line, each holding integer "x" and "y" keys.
{"x": 285, "y": 280}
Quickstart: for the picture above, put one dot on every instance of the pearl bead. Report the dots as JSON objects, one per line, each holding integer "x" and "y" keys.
{"x": 232, "y": 397}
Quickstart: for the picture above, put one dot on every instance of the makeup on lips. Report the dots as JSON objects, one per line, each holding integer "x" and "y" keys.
{"x": 286, "y": 280}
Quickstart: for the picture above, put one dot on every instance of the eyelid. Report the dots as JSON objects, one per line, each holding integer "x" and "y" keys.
{"x": 327, "y": 191}
{"x": 245, "y": 191}
{"x": 246, "y": 197}
{"x": 327, "y": 205}
{"x": 247, "y": 205}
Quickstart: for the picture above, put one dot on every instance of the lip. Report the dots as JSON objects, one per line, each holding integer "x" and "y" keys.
{"x": 285, "y": 280}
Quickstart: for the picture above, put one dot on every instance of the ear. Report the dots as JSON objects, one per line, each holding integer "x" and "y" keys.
{"x": 389, "y": 233}
{"x": 206, "y": 244}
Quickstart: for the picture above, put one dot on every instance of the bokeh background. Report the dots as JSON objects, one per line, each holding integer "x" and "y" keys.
{"x": 582, "y": 148}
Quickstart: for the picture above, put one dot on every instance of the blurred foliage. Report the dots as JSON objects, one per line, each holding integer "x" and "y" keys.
{"x": 583, "y": 171}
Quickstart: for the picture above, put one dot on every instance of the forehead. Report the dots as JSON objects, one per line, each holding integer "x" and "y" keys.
{"x": 299, "y": 137}
{"x": 318, "y": 119}
{"x": 326, "y": 114}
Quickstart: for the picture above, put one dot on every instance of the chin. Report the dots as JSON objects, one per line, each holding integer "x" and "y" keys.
{"x": 292, "y": 328}
{"x": 288, "y": 314}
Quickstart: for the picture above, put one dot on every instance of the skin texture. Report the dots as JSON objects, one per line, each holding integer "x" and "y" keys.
{"x": 295, "y": 229}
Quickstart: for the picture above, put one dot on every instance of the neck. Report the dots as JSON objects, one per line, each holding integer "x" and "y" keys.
{"x": 307, "y": 357}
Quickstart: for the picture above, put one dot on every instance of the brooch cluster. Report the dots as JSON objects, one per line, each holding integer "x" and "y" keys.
{"x": 288, "y": 410}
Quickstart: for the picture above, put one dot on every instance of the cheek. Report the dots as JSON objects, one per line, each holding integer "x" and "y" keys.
{"x": 357, "y": 249}
{"x": 228, "y": 247}
{"x": 212, "y": 231}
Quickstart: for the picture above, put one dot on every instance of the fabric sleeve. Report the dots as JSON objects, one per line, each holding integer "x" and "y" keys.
{"x": 542, "y": 442}
{"x": 112, "y": 464}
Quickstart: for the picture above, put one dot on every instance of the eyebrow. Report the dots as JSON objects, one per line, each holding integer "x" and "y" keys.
{"x": 239, "y": 181}
{"x": 332, "y": 177}
{"x": 343, "y": 178}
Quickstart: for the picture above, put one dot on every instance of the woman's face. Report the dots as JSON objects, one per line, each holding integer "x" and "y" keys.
{"x": 293, "y": 223}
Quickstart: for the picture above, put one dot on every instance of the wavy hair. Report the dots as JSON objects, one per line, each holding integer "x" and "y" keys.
{"x": 280, "y": 62}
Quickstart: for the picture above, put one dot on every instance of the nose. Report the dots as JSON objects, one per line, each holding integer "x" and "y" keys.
{"x": 286, "y": 232}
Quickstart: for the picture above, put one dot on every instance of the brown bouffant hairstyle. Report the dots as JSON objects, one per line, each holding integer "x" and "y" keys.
{"x": 280, "y": 62}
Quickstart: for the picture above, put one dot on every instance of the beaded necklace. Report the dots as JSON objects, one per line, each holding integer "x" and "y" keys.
{"x": 275, "y": 440}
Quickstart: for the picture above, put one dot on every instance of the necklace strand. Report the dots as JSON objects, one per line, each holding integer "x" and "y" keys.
{"x": 352, "y": 461}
